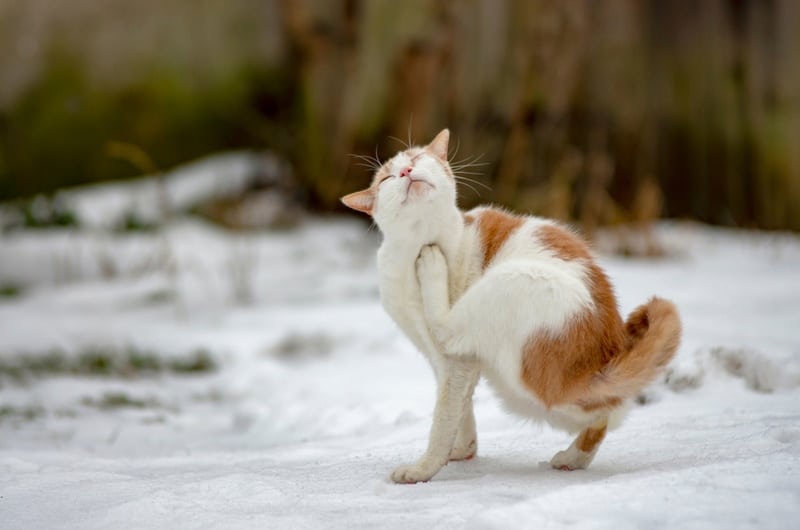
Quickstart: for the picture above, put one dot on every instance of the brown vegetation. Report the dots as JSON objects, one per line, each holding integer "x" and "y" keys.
{"x": 605, "y": 112}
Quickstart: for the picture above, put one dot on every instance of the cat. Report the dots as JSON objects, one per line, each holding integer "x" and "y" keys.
{"x": 517, "y": 299}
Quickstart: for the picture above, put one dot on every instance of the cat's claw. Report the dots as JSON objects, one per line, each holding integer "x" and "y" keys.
{"x": 411, "y": 474}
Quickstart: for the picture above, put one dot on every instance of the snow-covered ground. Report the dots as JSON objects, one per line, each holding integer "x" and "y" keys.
{"x": 317, "y": 396}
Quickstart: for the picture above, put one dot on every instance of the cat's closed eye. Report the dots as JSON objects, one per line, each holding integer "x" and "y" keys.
{"x": 384, "y": 178}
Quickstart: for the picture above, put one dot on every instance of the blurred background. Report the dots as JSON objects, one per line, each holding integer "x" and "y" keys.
{"x": 179, "y": 279}
{"x": 603, "y": 113}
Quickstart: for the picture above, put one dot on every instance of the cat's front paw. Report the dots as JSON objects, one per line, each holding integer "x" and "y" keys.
{"x": 413, "y": 473}
{"x": 431, "y": 265}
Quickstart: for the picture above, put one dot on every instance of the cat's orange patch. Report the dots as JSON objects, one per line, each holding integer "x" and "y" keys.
{"x": 563, "y": 243}
{"x": 591, "y": 406}
{"x": 590, "y": 438}
{"x": 559, "y": 366}
{"x": 494, "y": 228}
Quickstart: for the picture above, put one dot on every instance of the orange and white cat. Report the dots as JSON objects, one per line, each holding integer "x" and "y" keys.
{"x": 517, "y": 299}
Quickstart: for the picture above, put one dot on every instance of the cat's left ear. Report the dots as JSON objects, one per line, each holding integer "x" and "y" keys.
{"x": 439, "y": 145}
{"x": 363, "y": 200}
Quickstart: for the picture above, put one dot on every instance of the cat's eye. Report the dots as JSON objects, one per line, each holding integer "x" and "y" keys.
{"x": 384, "y": 178}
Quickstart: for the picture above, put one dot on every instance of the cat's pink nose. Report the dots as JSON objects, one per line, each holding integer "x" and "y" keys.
{"x": 406, "y": 171}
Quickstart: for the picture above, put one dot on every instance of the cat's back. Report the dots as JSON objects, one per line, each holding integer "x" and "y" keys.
{"x": 505, "y": 237}
{"x": 538, "y": 265}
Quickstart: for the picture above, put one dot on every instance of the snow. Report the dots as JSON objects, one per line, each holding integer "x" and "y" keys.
{"x": 106, "y": 205}
{"x": 318, "y": 396}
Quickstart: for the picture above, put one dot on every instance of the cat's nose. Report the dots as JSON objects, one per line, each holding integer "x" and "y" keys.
{"x": 406, "y": 171}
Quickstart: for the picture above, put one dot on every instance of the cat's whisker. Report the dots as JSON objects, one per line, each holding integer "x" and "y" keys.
{"x": 463, "y": 180}
{"x": 458, "y": 146}
{"x": 460, "y": 169}
{"x": 469, "y": 186}
{"x": 468, "y": 161}
{"x": 368, "y": 161}
{"x": 463, "y": 171}
{"x": 370, "y": 167}
{"x": 466, "y": 170}
{"x": 462, "y": 166}
{"x": 472, "y": 169}
{"x": 477, "y": 156}
{"x": 401, "y": 142}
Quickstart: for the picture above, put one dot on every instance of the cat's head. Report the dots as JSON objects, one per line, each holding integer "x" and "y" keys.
{"x": 415, "y": 186}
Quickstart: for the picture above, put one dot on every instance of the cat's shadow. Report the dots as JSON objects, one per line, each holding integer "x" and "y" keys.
{"x": 512, "y": 470}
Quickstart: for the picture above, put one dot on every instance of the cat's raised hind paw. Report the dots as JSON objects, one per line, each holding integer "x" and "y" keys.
{"x": 431, "y": 266}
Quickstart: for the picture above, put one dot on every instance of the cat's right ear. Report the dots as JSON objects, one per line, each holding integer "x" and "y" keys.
{"x": 363, "y": 200}
{"x": 439, "y": 144}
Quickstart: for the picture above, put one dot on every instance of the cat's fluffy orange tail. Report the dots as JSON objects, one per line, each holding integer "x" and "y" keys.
{"x": 653, "y": 332}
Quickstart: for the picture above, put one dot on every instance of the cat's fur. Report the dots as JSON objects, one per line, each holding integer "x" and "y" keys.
{"x": 517, "y": 299}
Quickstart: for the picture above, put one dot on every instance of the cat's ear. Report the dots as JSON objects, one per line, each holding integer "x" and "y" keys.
{"x": 363, "y": 200}
{"x": 439, "y": 145}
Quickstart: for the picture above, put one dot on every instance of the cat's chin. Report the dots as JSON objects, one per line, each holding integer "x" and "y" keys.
{"x": 417, "y": 188}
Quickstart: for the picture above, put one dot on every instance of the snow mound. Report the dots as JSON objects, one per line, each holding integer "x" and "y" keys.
{"x": 303, "y": 345}
{"x": 150, "y": 200}
{"x": 759, "y": 372}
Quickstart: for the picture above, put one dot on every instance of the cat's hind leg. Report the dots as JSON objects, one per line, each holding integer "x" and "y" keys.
{"x": 432, "y": 275}
{"x": 433, "y": 282}
{"x": 495, "y": 317}
{"x": 581, "y": 453}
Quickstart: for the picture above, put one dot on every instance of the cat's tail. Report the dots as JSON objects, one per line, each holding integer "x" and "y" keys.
{"x": 653, "y": 332}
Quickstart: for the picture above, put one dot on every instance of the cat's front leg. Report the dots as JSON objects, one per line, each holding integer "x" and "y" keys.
{"x": 466, "y": 444}
{"x": 455, "y": 392}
